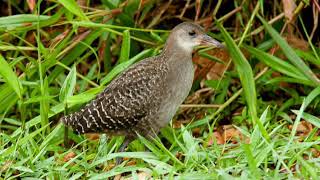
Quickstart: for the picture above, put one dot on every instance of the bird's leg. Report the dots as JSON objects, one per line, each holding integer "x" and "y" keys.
{"x": 122, "y": 149}
{"x": 66, "y": 138}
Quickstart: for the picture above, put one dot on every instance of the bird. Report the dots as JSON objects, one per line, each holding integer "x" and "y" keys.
{"x": 144, "y": 98}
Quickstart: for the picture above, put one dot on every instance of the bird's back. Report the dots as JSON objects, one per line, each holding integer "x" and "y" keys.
{"x": 127, "y": 103}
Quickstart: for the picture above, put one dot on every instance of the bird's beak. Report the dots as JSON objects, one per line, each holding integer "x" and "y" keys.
{"x": 206, "y": 40}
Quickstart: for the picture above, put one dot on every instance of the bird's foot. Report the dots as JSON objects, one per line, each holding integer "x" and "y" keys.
{"x": 119, "y": 160}
{"x": 122, "y": 148}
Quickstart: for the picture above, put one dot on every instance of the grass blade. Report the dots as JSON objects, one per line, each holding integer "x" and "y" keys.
{"x": 277, "y": 64}
{"x": 11, "y": 22}
{"x": 251, "y": 161}
{"x": 289, "y": 52}
{"x": 10, "y": 77}
{"x": 73, "y": 7}
{"x": 246, "y": 77}
{"x": 125, "y": 47}
{"x": 312, "y": 171}
{"x": 310, "y": 118}
{"x": 44, "y": 105}
{"x": 68, "y": 85}
{"x": 83, "y": 97}
{"x": 290, "y": 80}
{"x": 312, "y": 95}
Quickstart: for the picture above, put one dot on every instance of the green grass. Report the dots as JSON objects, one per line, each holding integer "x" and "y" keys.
{"x": 53, "y": 63}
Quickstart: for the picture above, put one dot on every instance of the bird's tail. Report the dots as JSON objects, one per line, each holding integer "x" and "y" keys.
{"x": 70, "y": 120}
{"x": 77, "y": 122}
{"x": 65, "y": 120}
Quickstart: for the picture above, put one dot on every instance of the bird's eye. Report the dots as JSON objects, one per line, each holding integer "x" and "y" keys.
{"x": 192, "y": 33}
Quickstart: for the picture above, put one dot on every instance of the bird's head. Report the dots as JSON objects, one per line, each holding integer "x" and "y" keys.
{"x": 188, "y": 35}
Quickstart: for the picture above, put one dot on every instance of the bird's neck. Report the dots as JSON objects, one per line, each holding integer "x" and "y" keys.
{"x": 174, "y": 48}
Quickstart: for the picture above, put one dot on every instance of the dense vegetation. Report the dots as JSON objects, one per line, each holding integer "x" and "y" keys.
{"x": 253, "y": 111}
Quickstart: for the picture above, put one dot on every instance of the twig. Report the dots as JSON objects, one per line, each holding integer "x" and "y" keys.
{"x": 78, "y": 74}
{"x": 316, "y": 4}
{"x": 186, "y": 6}
{"x": 223, "y": 18}
{"x": 259, "y": 29}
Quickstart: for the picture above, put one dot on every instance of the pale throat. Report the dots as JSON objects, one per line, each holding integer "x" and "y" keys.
{"x": 187, "y": 46}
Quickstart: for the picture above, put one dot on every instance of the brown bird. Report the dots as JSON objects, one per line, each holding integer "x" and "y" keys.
{"x": 145, "y": 97}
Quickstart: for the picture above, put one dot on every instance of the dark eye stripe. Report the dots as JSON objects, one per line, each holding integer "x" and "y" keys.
{"x": 192, "y": 33}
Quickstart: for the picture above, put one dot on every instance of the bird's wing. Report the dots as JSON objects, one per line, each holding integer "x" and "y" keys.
{"x": 128, "y": 99}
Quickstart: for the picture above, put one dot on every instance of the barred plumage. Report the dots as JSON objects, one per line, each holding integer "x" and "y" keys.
{"x": 124, "y": 103}
{"x": 146, "y": 96}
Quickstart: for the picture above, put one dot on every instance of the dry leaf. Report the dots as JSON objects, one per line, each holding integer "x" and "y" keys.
{"x": 289, "y": 6}
{"x": 218, "y": 137}
{"x": 315, "y": 152}
{"x": 303, "y": 129}
{"x": 59, "y": 38}
{"x": 130, "y": 163}
{"x": 227, "y": 133}
{"x": 232, "y": 134}
{"x": 196, "y": 131}
{"x": 76, "y": 40}
{"x": 298, "y": 43}
{"x": 31, "y": 4}
{"x": 282, "y": 83}
{"x": 69, "y": 156}
{"x": 177, "y": 124}
{"x": 198, "y": 7}
{"x": 93, "y": 136}
{"x": 109, "y": 166}
{"x": 82, "y": 3}
{"x": 205, "y": 67}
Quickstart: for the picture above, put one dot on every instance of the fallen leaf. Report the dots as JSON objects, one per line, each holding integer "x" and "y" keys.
{"x": 215, "y": 136}
{"x": 297, "y": 43}
{"x": 315, "y": 152}
{"x": 178, "y": 123}
{"x": 282, "y": 84}
{"x": 69, "y": 156}
{"x": 303, "y": 129}
{"x": 109, "y": 166}
{"x": 196, "y": 132}
{"x": 130, "y": 163}
{"x": 93, "y": 136}
{"x": 230, "y": 133}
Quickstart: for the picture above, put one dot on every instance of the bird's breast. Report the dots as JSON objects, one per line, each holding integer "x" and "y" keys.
{"x": 178, "y": 84}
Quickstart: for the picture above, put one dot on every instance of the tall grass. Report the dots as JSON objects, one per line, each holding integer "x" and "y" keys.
{"x": 61, "y": 55}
